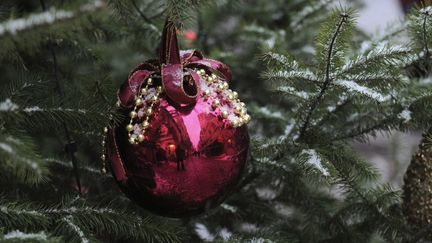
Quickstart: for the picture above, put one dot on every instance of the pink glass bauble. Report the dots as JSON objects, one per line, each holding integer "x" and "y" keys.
{"x": 186, "y": 142}
{"x": 149, "y": 173}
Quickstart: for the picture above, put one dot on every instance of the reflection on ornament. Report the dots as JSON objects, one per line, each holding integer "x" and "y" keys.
{"x": 171, "y": 148}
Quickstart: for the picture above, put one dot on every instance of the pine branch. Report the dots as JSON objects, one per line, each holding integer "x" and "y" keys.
{"x": 143, "y": 16}
{"x": 20, "y": 162}
{"x": 40, "y": 118}
{"x": 379, "y": 56}
{"x": 266, "y": 162}
{"x": 297, "y": 75}
{"x": 284, "y": 68}
{"x": 67, "y": 227}
{"x": 70, "y": 146}
{"x": 80, "y": 220}
{"x": 328, "y": 79}
{"x": 421, "y": 31}
{"x": 346, "y": 176}
{"x": 179, "y": 10}
{"x": 362, "y": 90}
{"x": 288, "y": 90}
{"x": 375, "y": 78}
{"x": 67, "y": 165}
{"x": 340, "y": 107}
{"x": 127, "y": 12}
{"x": 17, "y": 236}
{"x": 47, "y": 17}
{"x": 426, "y": 15}
{"x": 363, "y": 131}
{"x": 307, "y": 12}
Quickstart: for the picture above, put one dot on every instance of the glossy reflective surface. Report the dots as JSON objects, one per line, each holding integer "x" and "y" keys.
{"x": 189, "y": 162}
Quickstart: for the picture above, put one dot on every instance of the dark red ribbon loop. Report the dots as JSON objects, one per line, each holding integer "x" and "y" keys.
{"x": 173, "y": 84}
{"x": 169, "y": 52}
{"x": 181, "y": 89}
{"x": 172, "y": 68}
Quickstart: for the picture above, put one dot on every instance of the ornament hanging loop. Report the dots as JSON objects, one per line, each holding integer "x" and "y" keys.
{"x": 176, "y": 86}
{"x": 169, "y": 51}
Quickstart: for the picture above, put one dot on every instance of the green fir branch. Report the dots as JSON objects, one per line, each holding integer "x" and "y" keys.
{"x": 331, "y": 50}
{"x": 20, "y": 162}
{"x": 81, "y": 222}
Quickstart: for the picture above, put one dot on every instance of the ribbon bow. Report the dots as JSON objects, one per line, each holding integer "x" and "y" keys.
{"x": 177, "y": 70}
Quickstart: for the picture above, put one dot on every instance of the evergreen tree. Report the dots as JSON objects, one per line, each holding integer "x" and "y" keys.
{"x": 62, "y": 61}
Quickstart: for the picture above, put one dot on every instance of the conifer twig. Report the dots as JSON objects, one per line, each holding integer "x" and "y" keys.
{"x": 425, "y": 40}
{"x": 365, "y": 199}
{"x": 70, "y": 144}
{"x": 47, "y": 17}
{"x": 100, "y": 92}
{"x": 340, "y": 107}
{"x": 365, "y": 130}
{"x": 140, "y": 12}
{"x": 327, "y": 81}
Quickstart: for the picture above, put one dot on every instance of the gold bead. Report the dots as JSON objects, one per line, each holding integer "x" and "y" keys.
{"x": 207, "y": 92}
{"x": 129, "y": 128}
{"x": 149, "y": 111}
{"x": 133, "y": 114}
{"x": 159, "y": 89}
{"x": 103, "y": 156}
{"x": 140, "y": 138}
{"x": 103, "y": 170}
{"x": 230, "y": 97}
{"x": 132, "y": 140}
{"x": 247, "y": 118}
{"x": 138, "y": 101}
{"x": 143, "y": 91}
{"x": 241, "y": 121}
{"x": 154, "y": 99}
{"x": 202, "y": 71}
{"x": 105, "y": 129}
{"x": 210, "y": 79}
{"x": 215, "y": 103}
{"x": 103, "y": 143}
{"x": 220, "y": 88}
{"x": 224, "y": 114}
{"x": 235, "y": 123}
{"x": 145, "y": 124}
{"x": 243, "y": 111}
{"x": 214, "y": 76}
{"x": 242, "y": 104}
{"x": 235, "y": 94}
{"x": 118, "y": 103}
{"x": 150, "y": 81}
{"x": 226, "y": 85}
{"x": 238, "y": 109}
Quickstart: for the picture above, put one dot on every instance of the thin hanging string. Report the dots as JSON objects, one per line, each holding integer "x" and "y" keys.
{"x": 71, "y": 147}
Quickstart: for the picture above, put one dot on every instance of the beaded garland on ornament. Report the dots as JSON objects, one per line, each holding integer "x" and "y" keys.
{"x": 224, "y": 102}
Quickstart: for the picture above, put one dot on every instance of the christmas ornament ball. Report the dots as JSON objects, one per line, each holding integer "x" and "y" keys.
{"x": 184, "y": 144}
{"x": 152, "y": 175}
